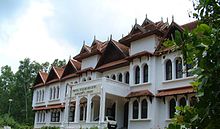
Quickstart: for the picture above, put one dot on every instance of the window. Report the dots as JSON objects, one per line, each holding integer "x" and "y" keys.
{"x": 89, "y": 78}
{"x": 84, "y": 79}
{"x": 120, "y": 77}
{"x": 135, "y": 109}
{"x": 168, "y": 70}
{"x": 107, "y": 76}
{"x": 182, "y": 102}
{"x": 127, "y": 77}
{"x": 188, "y": 72}
{"x": 37, "y": 95}
{"x": 81, "y": 113}
{"x": 145, "y": 73}
{"x": 144, "y": 109}
{"x": 40, "y": 116}
{"x": 113, "y": 77}
{"x": 42, "y": 95}
{"x": 137, "y": 75}
{"x": 51, "y": 93}
{"x": 55, "y": 116}
{"x": 71, "y": 114}
{"x": 54, "y": 92}
{"x": 172, "y": 108}
{"x": 179, "y": 67}
{"x": 58, "y": 90}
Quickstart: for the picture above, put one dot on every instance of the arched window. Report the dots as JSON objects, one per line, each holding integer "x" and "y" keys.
{"x": 107, "y": 76}
{"x": 127, "y": 77}
{"x": 89, "y": 78}
{"x": 182, "y": 102}
{"x": 113, "y": 77}
{"x": 168, "y": 70}
{"x": 37, "y": 95}
{"x": 42, "y": 95}
{"x": 58, "y": 90}
{"x": 120, "y": 77}
{"x": 54, "y": 92}
{"x": 135, "y": 109}
{"x": 84, "y": 79}
{"x": 137, "y": 75}
{"x": 172, "y": 108}
{"x": 144, "y": 109}
{"x": 193, "y": 101}
{"x": 145, "y": 73}
{"x": 179, "y": 68}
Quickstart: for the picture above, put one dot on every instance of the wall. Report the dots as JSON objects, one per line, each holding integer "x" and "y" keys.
{"x": 90, "y": 61}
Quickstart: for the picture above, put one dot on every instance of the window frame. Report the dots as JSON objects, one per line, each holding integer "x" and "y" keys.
{"x": 137, "y": 75}
{"x": 168, "y": 70}
{"x": 145, "y": 73}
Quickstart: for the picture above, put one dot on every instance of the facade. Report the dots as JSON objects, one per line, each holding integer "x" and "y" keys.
{"x": 136, "y": 80}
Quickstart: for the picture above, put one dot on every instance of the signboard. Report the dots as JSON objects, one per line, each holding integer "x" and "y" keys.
{"x": 86, "y": 90}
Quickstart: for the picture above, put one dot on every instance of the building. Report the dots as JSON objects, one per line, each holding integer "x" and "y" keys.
{"x": 137, "y": 80}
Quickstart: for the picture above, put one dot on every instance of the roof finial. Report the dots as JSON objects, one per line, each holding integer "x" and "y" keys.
{"x": 110, "y": 36}
{"x": 162, "y": 19}
{"x": 167, "y": 20}
{"x": 172, "y": 18}
{"x": 84, "y": 42}
{"x": 132, "y": 26}
{"x": 69, "y": 57}
{"x": 94, "y": 37}
{"x": 135, "y": 20}
{"x": 108, "y": 39}
{"x": 146, "y": 16}
{"x": 122, "y": 35}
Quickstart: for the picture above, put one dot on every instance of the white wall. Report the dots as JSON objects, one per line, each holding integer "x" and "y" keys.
{"x": 146, "y": 44}
{"x": 90, "y": 62}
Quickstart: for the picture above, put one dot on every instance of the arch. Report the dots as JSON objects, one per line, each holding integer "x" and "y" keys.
{"x": 179, "y": 67}
{"x": 127, "y": 77}
{"x": 120, "y": 77}
{"x": 144, "y": 108}
{"x": 95, "y": 107}
{"x": 84, "y": 79}
{"x": 168, "y": 69}
{"x": 75, "y": 82}
{"x": 172, "y": 110}
{"x": 182, "y": 101}
{"x": 135, "y": 109}
{"x": 107, "y": 76}
{"x": 113, "y": 77}
{"x": 137, "y": 75}
{"x": 145, "y": 73}
{"x": 83, "y": 109}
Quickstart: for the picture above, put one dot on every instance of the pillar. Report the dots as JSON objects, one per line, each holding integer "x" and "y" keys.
{"x": 102, "y": 107}
{"x": 173, "y": 70}
{"x": 76, "y": 119}
{"x": 88, "y": 113}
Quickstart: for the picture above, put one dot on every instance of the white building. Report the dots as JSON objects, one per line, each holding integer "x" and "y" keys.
{"x": 137, "y": 80}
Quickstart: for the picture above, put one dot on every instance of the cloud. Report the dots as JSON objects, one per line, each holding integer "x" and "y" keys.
{"x": 30, "y": 38}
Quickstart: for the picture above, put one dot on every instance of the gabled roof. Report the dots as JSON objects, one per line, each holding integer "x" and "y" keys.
{"x": 171, "y": 30}
{"x": 139, "y": 94}
{"x": 54, "y": 74}
{"x": 72, "y": 67}
{"x": 139, "y": 55}
{"x": 40, "y": 79}
{"x": 176, "y": 91}
{"x": 146, "y": 29}
{"x": 114, "y": 51}
{"x": 190, "y": 26}
{"x": 85, "y": 48}
{"x": 96, "y": 48}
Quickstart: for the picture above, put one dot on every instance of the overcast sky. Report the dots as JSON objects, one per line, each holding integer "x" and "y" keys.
{"x": 44, "y": 30}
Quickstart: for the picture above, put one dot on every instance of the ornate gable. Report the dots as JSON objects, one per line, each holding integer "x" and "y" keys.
{"x": 72, "y": 67}
{"x": 114, "y": 51}
{"x": 54, "y": 74}
{"x": 40, "y": 79}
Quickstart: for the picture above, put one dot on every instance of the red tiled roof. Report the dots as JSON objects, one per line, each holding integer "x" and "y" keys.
{"x": 57, "y": 106}
{"x": 76, "y": 64}
{"x": 190, "y": 26}
{"x": 139, "y": 93}
{"x": 59, "y": 71}
{"x": 43, "y": 75}
{"x": 85, "y": 70}
{"x": 113, "y": 65}
{"x": 140, "y": 54}
{"x": 69, "y": 76}
{"x": 176, "y": 91}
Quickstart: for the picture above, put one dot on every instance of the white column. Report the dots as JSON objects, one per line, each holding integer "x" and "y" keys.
{"x": 131, "y": 75}
{"x": 141, "y": 74}
{"x": 130, "y": 107}
{"x": 139, "y": 109}
{"x": 116, "y": 109}
{"x": 184, "y": 71}
{"x": 173, "y": 70}
{"x": 76, "y": 119}
{"x": 88, "y": 113}
{"x": 187, "y": 101}
{"x": 102, "y": 107}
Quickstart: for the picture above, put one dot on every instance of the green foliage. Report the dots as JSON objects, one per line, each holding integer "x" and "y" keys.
{"x": 201, "y": 48}
{"x": 94, "y": 127}
{"x": 17, "y": 86}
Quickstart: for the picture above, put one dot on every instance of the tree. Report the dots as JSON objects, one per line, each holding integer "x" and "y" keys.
{"x": 201, "y": 48}
{"x": 58, "y": 63}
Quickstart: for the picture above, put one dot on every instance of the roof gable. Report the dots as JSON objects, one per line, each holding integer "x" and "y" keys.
{"x": 84, "y": 49}
{"x": 72, "y": 67}
{"x": 114, "y": 51}
{"x": 137, "y": 29}
{"x": 54, "y": 74}
{"x": 41, "y": 78}
{"x": 171, "y": 31}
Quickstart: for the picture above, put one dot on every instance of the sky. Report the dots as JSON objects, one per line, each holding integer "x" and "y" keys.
{"x": 44, "y": 30}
